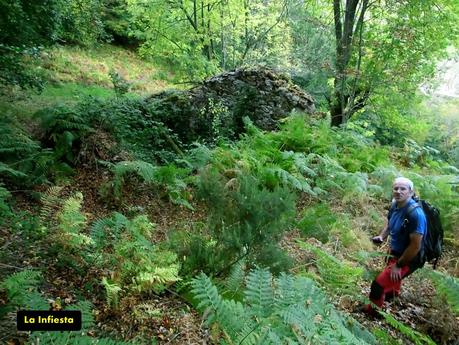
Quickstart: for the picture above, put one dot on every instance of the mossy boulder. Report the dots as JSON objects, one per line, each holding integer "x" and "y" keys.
{"x": 217, "y": 106}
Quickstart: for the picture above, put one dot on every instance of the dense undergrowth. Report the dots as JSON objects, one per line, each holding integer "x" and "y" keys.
{"x": 328, "y": 184}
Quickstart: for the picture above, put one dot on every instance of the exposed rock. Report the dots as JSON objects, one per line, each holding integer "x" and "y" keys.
{"x": 217, "y": 106}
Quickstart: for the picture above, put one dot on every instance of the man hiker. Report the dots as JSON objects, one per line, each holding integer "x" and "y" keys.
{"x": 406, "y": 224}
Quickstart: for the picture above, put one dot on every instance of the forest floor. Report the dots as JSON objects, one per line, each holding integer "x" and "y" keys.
{"x": 169, "y": 317}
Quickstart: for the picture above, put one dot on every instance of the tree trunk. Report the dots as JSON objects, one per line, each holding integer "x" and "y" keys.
{"x": 341, "y": 108}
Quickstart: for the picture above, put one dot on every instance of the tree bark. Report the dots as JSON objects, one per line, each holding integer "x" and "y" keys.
{"x": 345, "y": 30}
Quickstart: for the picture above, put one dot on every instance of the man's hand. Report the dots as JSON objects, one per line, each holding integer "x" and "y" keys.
{"x": 395, "y": 273}
{"x": 377, "y": 239}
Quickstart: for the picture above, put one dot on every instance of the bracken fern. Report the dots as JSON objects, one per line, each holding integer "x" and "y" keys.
{"x": 279, "y": 310}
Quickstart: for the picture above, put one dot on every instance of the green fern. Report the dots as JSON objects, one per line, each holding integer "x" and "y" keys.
{"x": 112, "y": 291}
{"x": 23, "y": 161}
{"x": 143, "y": 169}
{"x": 87, "y": 318}
{"x": 64, "y": 128}
{"x": 70, "y": 338}
{"x": 259, "y": 294}
{"x": 276, "y": 311}
{"x": 50, "y": 203}
{"x": 168, "y": 177}
{"x": 235, "y": 279}
{"x": 71, "y": 223}
{"x": 415, "y": 336}
{"x": 138, "y": 265}
{"x": 335, "y": 274}
{"x": 105, "y": 231}
{"x": 5, "y": 210}
{"x": 21, "y": 290}
{"x": 447, "y": 286}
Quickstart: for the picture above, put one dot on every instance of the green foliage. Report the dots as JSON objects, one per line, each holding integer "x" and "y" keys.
{"x": 42, "y": 23}
{"x": 415, "y": 336}
{"x": 313, "y": 50}
{"x": 244, "y": 217}
{"x": 117, "y": 20}
{"x": 106, "y": 231}
{"x": 198, "y": 39}
{"x": 447, "y": 286}
{"x": 65, "y": 127}
{"x": 169, "y": 177}
{"x": 5, "y": 210}
{"x": 120, "y": 84}
{"x": 307, "y": 156}
{"x": 64, "y": 224}
{"x": 70, "y": 338}
{"x": 336, "y": 275}
{"x": 317, "y": 222}
{"x": 15, "y": 67}
{"x": 81, "y": 22}
{"x": 138, "y": 265}
{"x": 439, "y": 190}
{"x": 72, "y": 222}
{"x": 22, "y": 160}
{"x": 122, "y": 169}
{"x": 136, "y": 125}
{"x": 112, "y": 291}
{"x": 285, "y": 309}
{"x": 21, "y": 290}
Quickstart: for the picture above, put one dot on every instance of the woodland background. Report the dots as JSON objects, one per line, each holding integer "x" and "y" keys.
{"x": 240, "y": 235}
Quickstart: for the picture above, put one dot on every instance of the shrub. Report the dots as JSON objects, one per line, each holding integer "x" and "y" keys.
{"x": 64, "y": 128}
{"x": 244, "y": 217}
{"x": 22, "y": 161}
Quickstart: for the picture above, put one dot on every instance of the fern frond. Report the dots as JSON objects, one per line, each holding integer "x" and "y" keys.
{"x": 232, "y": 316}
{"x": 415, "y": 336}
{"x": 236, "y": 277}
{"x": 336, "y": 274}
{"x": 87, "y": 318}
{"x": 72, "y": 222}
{"x": 105, "y": 230}
{"x": 300, "y": 316}
{"x": 207, "y": 295}
{"x": 287, "y": 179}
{"x": 248, "y": 335}
{"x": 259, "y": 294}
{"x": 112, "y": 290}
{"x": 156, "y": 279}
{"x": 51, "y": 202}
{"x": 143, "y": 169}
{"x": 21, "y": 289}
{"x": 447, "y": 286}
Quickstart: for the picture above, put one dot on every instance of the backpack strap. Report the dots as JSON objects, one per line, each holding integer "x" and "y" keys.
{"x": 412, "y": 208}
{"x": 409, "y": 212}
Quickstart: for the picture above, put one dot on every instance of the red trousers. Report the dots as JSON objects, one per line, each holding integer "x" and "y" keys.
{"x": 383, "y": 286}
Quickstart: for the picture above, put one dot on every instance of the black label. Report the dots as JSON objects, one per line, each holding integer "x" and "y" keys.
{"x": 48, "y": 320}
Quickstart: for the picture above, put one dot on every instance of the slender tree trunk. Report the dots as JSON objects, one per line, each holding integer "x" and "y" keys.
{"x": 345, "y": 31}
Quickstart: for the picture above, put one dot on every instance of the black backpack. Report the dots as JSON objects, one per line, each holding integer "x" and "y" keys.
{"x": 433, "y": 243}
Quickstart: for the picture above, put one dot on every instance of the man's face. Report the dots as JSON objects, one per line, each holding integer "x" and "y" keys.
{"x": 401, "y": 192}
